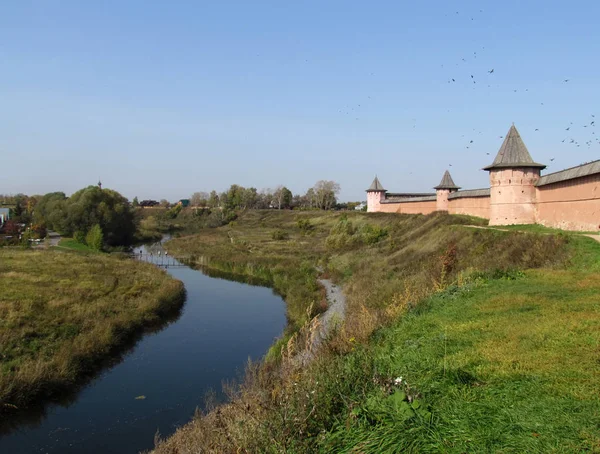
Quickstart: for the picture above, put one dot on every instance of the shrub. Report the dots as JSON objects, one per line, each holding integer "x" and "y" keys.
{"x": 305, "y": 226}
{"x": 279, "y": 235}
{"x": 79, "y": 236}
{"x": 371, "y": 234}
{"x": 95, "y": 238}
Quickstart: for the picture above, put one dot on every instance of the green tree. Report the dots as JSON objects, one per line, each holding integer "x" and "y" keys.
{"x": 135, "y": 202}
{"x": 86, "y": 208}
{"x": 213, "y": 199}
{"x": 95, "y": 238}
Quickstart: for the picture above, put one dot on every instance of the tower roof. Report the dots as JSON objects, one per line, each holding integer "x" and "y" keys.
{"x": 375, "y": 186}
{"x": 513, "y": 153}
{"x": 447, "y": 182}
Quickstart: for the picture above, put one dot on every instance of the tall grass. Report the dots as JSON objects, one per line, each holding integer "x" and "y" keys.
{"x": 62, "y": 313}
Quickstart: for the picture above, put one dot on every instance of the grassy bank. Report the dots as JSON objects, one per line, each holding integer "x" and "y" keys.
{"x": 62, "y": 313}
{"x": 456, "y": 339}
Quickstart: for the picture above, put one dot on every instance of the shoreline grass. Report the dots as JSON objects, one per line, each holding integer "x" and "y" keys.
{"x": 63, "y": 313}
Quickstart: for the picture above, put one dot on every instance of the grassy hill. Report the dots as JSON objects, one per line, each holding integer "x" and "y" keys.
{"x": 456, "y": 339}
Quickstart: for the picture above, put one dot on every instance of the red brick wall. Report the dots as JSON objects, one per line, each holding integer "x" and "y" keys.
{"x": 417, "y": 207}
{"x": 473, "y": 206}
{"x": 572, "y": 204}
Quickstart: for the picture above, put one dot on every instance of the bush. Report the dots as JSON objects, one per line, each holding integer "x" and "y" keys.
{"x": 95, "y": 238}
{"x": 79, "y": 236}
{"x": 371, "y": 234}
{"x": 305, "y": 226}
{"x": 279, "y": 235}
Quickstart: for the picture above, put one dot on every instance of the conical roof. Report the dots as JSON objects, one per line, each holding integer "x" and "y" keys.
{"x": 513, "y": 153}
{"x": 375, "y": 186}
{"x": 447, "y": 182}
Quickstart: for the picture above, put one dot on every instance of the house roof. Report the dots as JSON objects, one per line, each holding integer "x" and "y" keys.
{"x": 375, "y": 186}
{"x": 513, "y": 153}
{"x": 470, "y": 193}
{"x": 447, "y": 182}
{"x": 579, "y": 171}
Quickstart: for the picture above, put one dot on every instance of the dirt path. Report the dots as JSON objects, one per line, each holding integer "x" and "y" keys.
{"x": 335, "y": 313}
{"x": 323, "y": 325}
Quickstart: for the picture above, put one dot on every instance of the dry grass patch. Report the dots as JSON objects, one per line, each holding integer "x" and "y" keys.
{"x": 62, "y": 313}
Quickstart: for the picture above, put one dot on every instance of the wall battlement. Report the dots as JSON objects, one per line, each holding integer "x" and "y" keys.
{"x": 518, "y": 193}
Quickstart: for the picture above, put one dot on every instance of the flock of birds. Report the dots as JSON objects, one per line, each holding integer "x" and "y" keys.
{"x": 580, "y": 134}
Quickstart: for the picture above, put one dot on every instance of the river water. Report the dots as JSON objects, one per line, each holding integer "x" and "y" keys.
{"x": 158, "y": 384}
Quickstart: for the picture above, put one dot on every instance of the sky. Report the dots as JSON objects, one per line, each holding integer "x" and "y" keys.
{"x": 163, "y": 99}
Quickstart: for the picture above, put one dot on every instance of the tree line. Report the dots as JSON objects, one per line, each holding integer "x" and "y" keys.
{"x": 323, "y": 196}
{"x": 103, "y": 217}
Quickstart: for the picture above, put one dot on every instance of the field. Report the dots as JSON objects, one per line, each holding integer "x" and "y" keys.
{"x": 62, "y": 313}
{"x": 456, "y": 339}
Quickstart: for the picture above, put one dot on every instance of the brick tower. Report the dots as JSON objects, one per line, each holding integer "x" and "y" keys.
{"x": 443, "y": 190}
{"x": 375, "y": 194}
{"x": 513, "y": 175}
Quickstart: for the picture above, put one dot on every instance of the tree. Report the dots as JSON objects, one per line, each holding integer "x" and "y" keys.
{"x": 86, "y": 208}
{"x": 199, "y": 199}
{"x": 249, "y": 198}
{"x": 213, "y": 199}
{"x": 325, "y": 194}
{"x": 135, "y": 202}
{"x": 164, "y": 203}
{"x": 282, "y": 197}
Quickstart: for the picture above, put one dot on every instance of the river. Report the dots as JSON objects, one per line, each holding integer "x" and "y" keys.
{"x": 159, "y": 382}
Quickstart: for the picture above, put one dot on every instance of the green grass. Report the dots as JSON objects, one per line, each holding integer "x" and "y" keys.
{"x": 63, "y": 313}
{"x": 502, "y": 366}
{"x": 70, "y": 243}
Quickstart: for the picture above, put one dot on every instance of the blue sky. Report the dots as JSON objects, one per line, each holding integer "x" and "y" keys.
{"x": 162, "y": 99}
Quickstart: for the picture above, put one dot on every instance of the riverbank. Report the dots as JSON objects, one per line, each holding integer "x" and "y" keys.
{"x": 63, "y": 313}
{"x": 398, "y": 270}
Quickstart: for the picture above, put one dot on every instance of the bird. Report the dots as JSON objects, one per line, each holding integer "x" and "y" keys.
{"x": 471, "y": 141}
{"x": 471, "y": 76}
{"x": 563, "y": 141}
{"x": 551, "y": 159}
{"x": 502, "y": 137}
{"x": 491, "y": 71}
{"x": 487, "y": 154}
{"x": 536, "y": 129}
{"x": 568, "y": 128}
{"x": 566, "y": 80}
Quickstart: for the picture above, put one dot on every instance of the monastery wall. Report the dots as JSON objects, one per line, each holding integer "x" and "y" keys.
{"x": 571, "y": 204}
{"x": 422, "y": 207}
{"x": 389, "y": 208}
{"x": 472, "y": 206}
